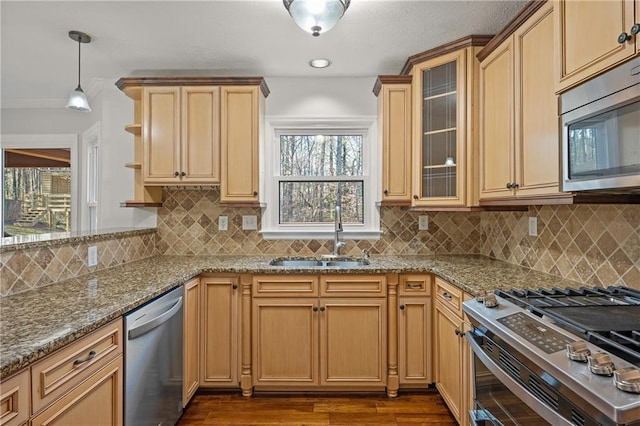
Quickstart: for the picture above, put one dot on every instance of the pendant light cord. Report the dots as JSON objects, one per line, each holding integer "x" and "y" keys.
{"x": 79, "y": 62}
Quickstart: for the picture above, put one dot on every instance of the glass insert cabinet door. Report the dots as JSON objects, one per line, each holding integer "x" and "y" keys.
{"x": 439, "y": 155}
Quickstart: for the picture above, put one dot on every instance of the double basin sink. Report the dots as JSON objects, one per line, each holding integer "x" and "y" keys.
{"x": 319, "y": 263}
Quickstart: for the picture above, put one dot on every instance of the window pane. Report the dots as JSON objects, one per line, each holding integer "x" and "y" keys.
{"x": 315, "y": 202}
{"x": 321, "y": 155}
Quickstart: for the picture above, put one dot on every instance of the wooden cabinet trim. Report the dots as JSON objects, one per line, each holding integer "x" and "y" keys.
{"x": 415, "y": 285}
{"x": 127, "y": 83}
{"x": 285, "y": 285}
{"x": 191, "y": 339}
{"x": 14, "y": 399}
{"x": 462, "y": 43}
{"x": 58, "y": 373}
{"x": 353, "y": 285}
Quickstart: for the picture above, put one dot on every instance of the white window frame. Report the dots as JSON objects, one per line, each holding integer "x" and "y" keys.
{"x": 91, "y": 141}
{"x": 271, "y": 228}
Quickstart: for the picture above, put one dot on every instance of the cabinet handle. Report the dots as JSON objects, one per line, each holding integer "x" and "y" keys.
{"x": 623, "y": 38}
{"x": 176, "y": 174}
{"x": 402, "y": 307}
{"x": 321, "y": 308}
{"x": 89, "y": 357}
{"x": 235, "y": 286}
{"x": 446, "y": 295}
{"x": 415, "y": 197}
{"x": 385, "y": 192}
{"x": 183, "y": 174}
{"x": 414, "y": 285}
{"x": 315, "y": 309}
{"x": 255, "y": 193}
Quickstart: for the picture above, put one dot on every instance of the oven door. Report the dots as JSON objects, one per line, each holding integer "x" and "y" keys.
{"x": 499, "y": 399}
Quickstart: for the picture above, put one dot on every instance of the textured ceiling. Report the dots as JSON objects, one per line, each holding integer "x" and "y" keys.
{"x": 215, "y": 37}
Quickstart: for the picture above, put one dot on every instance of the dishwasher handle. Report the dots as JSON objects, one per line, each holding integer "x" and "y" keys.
{"x": 155, "y": 322}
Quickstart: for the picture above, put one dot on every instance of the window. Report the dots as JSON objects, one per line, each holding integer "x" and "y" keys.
{"x": 314, "y": 170}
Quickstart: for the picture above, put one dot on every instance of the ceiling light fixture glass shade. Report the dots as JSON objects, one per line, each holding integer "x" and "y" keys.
{"x": 78, "y": 100}
{"x": 319, "y": 63}
{"x": 316, "y": 16}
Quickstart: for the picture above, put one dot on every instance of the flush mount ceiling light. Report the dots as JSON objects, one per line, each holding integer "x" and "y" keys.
{"x": 319, "y": 63}
{"x": 78, "y": 100}
{"x": 316, "y": 16}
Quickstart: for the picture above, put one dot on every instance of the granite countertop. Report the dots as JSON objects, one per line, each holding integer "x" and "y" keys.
{"x": 36, "y": 323}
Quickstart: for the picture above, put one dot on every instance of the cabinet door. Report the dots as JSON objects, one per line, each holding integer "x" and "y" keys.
{"x": 220, "y": 333}
{"x": 241, "y": 123}
{"x": 161, "y": 135}
{"x": 353, "y": 342}
{"x": 414, "y": 347}
{"x": 200, "y": 147}
{"x": 96, "y": 401}
{"x": 285, "y": 342}
{"x": 440, "y": 120}
{"x": 14, "y": 399}
{"x": 394, "y": 109}
{"x": 191, "y": 338}
{"x": 536, "y": 110}
{"x": 587, "y": 38}
{"x": 496, "y": 123}
{"x": 448, "y": 359}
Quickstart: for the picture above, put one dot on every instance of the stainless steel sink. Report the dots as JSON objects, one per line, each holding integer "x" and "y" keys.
{"x": 315, "y": 263}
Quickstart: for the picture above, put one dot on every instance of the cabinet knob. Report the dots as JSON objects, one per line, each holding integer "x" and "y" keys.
{"x": 635, "y": 29}
{"x": 515, "y": 185}
{"x": 176, "y": 174}
{"x": 235, "y": 286}
{"x": 255, "y": 193}
{"x": 415, "y": 197}
{"x": 385, "y": 192}
{"x": 509, "y": 185}
{"x": 623, "y": 38}
{"x": 315, "y": 309}
{"x": 459, "y": 333}
{"x": 322, "y": 308}
{"x": 402, "y": 307}
{"x": 447, "y": 295}
{"x": 183, "y": 174}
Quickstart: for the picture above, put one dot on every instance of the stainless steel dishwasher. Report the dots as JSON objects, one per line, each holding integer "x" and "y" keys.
{"x": 153, "y": 362}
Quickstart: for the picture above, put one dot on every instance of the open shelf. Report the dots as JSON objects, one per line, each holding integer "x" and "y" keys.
{"x": 136, "y": 203}
{"x": 134, "y": 129}
{"x": 135, "y": 166}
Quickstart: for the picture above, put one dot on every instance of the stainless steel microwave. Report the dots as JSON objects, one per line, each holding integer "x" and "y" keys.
{"x": 600, "y": 123}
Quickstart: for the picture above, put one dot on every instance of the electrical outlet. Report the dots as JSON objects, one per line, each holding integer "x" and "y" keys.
{"x": 533, "y": 226}
{"x": 423, "y": 222}
{"x": 249, "y": 222}
{"x": 223, "y": 223}
{"x": 92, "y": 256}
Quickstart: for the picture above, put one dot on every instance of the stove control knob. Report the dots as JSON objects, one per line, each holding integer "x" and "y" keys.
{"x": 601, "y": 364}
{"x": 578, "y": 351}
{"x": 627, "y": 379}
{"x": 481, "y": 296}
{"x": 490, "y": 301}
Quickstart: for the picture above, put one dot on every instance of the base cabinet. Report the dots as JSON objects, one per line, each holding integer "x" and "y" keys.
{"x": 14, "y": 399}
{"x": 220, "y": 332}
{"x": 191, "y": 343}
{"x": 96, "y": 401}
{"x": 452, "y": 362}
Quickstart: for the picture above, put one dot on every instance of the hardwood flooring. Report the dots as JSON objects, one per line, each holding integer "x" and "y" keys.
{"x": 425, "y": 408}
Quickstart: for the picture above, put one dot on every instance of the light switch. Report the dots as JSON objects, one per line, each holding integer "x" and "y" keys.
{"x": 92, "y": 256}
{"x": 533, "y": 226}
{"x": 249, "y": 222}
{"x": 223, "y": 223}
{"x": 423, "y": 222}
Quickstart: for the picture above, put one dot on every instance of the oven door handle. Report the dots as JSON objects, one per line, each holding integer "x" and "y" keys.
{"x": 482, "y": 418}
{"x": 533, "y": 402}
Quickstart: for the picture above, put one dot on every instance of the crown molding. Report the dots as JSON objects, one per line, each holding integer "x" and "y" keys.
{"x": 93, "y": 88}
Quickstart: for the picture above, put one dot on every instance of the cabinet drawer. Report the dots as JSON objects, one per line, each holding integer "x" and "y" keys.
{"x": 66, "y": 368}
{"x": 353, "y": 285}
{"x": 14, "y": 399}
{"x": 285, "y": 286}
{"x": 416, "y": 285}
{"x": 449, "y": 295}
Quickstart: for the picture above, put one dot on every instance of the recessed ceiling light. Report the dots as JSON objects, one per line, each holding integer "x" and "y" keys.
{"x": 319, "y": 63}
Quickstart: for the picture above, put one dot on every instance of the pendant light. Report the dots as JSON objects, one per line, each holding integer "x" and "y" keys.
{"x": 78, "y": 100}
{"x": 316, "y": 16}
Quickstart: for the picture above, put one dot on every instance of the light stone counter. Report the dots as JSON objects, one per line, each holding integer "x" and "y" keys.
{"x": 36, "y": 323}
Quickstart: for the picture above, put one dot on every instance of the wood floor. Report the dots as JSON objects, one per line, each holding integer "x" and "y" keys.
{"x": 425, "y": 408}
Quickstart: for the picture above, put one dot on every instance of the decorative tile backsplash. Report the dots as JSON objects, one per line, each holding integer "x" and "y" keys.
{"x": 26, "y": 269}
{"x": 598, "y": 245}
{"x": 187, "y": 224}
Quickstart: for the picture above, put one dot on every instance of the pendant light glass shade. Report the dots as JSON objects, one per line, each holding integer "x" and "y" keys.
{"x": 78, "y": 100}
{"x": 316, "y": 16}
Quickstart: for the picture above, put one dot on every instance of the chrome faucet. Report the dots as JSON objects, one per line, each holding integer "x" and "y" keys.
{"x": 337, "y": 244}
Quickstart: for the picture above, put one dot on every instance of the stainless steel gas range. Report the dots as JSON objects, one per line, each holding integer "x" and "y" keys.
{"x": 562, "y": 357}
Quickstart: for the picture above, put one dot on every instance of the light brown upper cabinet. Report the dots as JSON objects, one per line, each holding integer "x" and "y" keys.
{"x": 242, "y": 118}
{"x": 519, "y": 139}
{"x": 593, "y": 36}
{"x": 443, "y": 141}
{"x": 394, "y": 121}
{"x": 181, "y": 135}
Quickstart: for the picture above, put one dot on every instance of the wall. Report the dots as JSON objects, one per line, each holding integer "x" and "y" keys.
{"x": 598, "y": 245}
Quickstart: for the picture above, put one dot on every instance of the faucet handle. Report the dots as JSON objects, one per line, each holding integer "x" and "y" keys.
{"x": 365, "y": 254}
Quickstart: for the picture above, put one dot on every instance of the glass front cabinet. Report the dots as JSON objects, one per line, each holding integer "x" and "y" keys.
{"x": 444, "y": 151}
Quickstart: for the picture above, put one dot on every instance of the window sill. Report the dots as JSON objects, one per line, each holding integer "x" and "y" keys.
{"x": 300, "y": 234}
